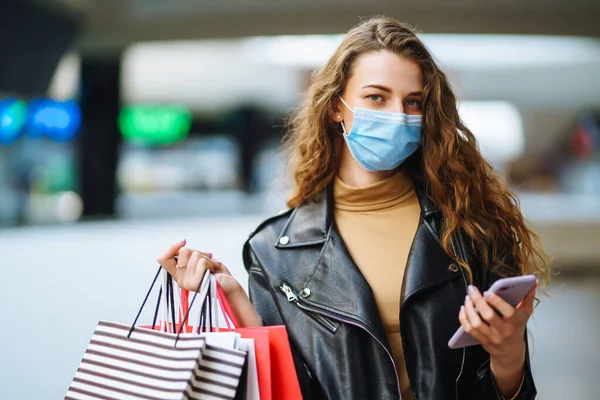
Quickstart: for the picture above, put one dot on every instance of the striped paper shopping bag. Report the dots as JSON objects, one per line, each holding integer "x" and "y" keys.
{"x": 217, "y": 375}
{"x": 149, "y": 366}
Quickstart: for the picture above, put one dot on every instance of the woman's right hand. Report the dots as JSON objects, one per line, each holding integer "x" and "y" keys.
{"x": 187, "y": 267}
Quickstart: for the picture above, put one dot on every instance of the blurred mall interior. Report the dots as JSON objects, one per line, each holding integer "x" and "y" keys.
{"x": 127, "y": 124}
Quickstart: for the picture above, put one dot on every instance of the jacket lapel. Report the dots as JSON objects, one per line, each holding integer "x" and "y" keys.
{"x": 331, "y": 275}
{"x": 428, "y": 264}
{"x": 327, "y": 270}
{"x": 308, "y": 224}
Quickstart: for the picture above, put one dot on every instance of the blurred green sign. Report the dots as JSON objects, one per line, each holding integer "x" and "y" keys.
{"x": 152, "y": 125}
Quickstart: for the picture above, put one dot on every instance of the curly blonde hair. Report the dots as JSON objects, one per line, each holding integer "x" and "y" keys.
{"x": 471, "y": 196}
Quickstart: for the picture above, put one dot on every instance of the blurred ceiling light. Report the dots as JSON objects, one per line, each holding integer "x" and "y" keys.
{"x": 306, "y": 51}
{"x": 211, "y": 75}
{"x": 505, "y": 51}
{"x": 497, "y": 126}
{"x": 477, "y": 51}
{"x": 65, "y": 82}
{"x": 313, "y": 51}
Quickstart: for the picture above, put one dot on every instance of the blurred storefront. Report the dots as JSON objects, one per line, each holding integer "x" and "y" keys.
{"x": 125, "y": 125}
{"x": 200, "y": 123}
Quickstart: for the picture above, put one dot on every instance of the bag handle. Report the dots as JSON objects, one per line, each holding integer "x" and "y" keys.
{"x": 164, "y": 304}
{"x": 145, "y": 301}
{"x": 202, "y": 287}
{"x": 167, "y": 304}
{"x": 225, "y": 306}
{"x": 204, "y": 290}
{"x": 167, "y": 290}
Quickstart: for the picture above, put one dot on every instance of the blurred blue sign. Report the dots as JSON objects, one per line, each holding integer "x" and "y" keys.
{"x": 58, "y": 120}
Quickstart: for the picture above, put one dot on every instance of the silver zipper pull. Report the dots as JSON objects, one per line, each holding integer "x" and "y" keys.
{"x": 288, "y": 292}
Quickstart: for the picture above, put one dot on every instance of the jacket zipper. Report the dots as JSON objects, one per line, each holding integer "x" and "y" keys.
{"x": 293, "y": 298}
{"x": 315, "y": 309}
{"x": 464, "y": 351}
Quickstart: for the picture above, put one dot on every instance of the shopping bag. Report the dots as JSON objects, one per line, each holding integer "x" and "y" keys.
{"x": 222, "y": 363}
{"x": 129, "y": 362}
{"x": 218, "y": 372}
{"x": 262, "y": 366}
{"x": 276, "y": 372}
{"x": 142, "y": 364}
{"x": 250, "y": 388}
{"x": 214, "y": 333}
{"x": 284, "y": 379}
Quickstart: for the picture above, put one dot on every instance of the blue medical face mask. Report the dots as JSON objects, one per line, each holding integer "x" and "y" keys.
{"x": 381, "y": 141}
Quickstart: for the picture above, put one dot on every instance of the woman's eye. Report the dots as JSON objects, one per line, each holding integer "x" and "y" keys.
{"x": 413, "y": 103}
{"x": 375, "y": 97}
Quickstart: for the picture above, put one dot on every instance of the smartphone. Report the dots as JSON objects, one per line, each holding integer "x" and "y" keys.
{"x": 512, "y": 290}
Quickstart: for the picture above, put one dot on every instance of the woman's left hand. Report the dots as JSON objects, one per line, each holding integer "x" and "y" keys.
{"x": 502, "y": 333}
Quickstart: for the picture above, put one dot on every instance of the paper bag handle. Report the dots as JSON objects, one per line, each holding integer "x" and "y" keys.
{"x": 225, "y": 306}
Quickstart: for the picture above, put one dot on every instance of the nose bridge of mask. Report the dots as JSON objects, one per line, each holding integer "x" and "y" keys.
{"x": 383, "y": 116}
{"x": 376, "y": 116}
{"x": 387, "y": 117}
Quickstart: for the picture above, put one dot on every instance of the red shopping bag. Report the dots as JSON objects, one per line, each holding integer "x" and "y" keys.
{"x": 280, "y": 371}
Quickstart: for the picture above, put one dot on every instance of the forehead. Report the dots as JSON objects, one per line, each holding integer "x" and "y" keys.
{"x": 388, "y": 69}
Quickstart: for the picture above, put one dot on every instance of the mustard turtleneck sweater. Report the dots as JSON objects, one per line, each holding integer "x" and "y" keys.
{"x": 378, "y": 224}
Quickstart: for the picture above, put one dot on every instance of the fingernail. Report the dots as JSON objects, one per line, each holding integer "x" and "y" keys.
{"x": 216, "y": 262}
{"x": 487, "y": 295}
{"x": 209, "y": 255}
{"x": 471, "y": 289}
{"x": 182, "y": 240}
{"x": 468, "y": 298}
{"x": 462, "y": 309}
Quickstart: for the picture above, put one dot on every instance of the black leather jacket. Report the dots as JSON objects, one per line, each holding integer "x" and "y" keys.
{"x": 301, "y": 275}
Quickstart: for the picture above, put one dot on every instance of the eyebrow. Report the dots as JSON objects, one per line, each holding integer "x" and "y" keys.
{"x": 380, "y": 87}
{"x": 388, "y": 90}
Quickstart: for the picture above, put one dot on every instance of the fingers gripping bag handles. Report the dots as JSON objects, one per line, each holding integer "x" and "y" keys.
{"x": 124, "y": 361}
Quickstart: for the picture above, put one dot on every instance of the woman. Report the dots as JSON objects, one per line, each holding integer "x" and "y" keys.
{"x": 395, "y": 221}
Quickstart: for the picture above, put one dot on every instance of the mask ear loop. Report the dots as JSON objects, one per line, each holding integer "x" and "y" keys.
{"x": 346, "y": 104}
{"x": 342, "y": 122}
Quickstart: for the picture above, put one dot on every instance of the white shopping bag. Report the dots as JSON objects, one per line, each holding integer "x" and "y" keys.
{"x": 252, "y": 391}
{"x": 128, "y": 362}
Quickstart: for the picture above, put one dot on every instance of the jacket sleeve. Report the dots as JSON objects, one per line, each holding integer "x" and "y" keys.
{"x": 485, "y": 387}
{"x": 262, "y": 298}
